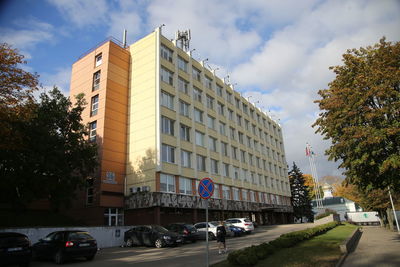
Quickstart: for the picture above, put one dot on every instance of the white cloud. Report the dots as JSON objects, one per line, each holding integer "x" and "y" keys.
{"x": 60, "y": 78}
{"x": 293, "y": 65}
{"x": 82, "y": 13}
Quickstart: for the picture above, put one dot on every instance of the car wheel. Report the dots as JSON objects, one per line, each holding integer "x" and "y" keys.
{"x": 59, "y": 257}
{"x": 129, "y": 242}
{"x": 159, "y": 243}
{"x": 211, "y": 236}
{"x": 90, "y": 258}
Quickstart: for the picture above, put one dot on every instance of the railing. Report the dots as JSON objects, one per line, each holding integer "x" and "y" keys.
{"x": 109, "y": 38}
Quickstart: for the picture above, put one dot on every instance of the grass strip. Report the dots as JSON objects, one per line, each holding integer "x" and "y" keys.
{"x": 321, "y": 251}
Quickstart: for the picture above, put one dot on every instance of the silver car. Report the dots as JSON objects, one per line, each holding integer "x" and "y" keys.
{"x": 244, "y": 223}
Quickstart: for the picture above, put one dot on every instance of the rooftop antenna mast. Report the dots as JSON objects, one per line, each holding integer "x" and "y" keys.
{"x": 183, "y": 39}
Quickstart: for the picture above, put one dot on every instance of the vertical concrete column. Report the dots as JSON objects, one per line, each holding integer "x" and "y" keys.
{"x": 157, "y": 216}
{"x": 177, "y": 184}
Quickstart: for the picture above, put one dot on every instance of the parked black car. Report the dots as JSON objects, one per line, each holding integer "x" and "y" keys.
{"x": 187, "y": 231}
{"x": 15, "y": 249}
{"x": 64, "y": 245}
{"x": 151, "y": 235}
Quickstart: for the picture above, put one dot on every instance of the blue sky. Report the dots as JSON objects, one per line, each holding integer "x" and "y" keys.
{"x": 276, "y": 51}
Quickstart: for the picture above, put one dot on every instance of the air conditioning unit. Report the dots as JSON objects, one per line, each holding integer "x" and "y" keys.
{"x": 145, "y": 188}
{"x": 134, "y": 189}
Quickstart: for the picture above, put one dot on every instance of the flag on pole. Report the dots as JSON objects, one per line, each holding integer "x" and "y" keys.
{"x": 308, "y": 151}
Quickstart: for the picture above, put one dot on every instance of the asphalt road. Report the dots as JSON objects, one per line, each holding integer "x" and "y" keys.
{"x": 187, "y": 255}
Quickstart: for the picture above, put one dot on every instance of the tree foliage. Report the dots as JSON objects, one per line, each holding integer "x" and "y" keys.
{"x": 309, "y": 182}
{"x": 16, "y": 95}
{"x": 51, "y": 157}
{"x": 300, "y": 195}
{"x": 361, "y": 115}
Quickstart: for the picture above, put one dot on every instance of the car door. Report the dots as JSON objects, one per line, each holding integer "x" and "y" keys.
{"x": 48, "y": 246}
{"x": 147, "y": 234}
{"x": 201, "y": 227}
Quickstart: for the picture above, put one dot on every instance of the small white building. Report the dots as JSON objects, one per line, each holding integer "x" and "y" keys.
{"x": 339, "y": 204}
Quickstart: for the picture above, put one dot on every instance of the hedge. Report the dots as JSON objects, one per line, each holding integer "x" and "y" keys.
{"x": 251, "y": 255}
{"x": 326, "y": 213}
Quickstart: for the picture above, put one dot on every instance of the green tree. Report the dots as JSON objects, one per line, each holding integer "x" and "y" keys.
{"x": 55, "y": 157}
{"x": 361, "y": 115}
{"x": 16, "y": 96}
{"x": 300, "y": 195}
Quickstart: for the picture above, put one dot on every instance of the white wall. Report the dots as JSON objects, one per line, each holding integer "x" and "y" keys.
{"x": 106, "y": 236}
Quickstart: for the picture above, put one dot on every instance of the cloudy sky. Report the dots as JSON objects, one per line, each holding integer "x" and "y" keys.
{"x": 277, "y": 52}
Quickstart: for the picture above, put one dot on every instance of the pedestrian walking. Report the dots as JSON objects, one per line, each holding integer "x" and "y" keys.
{"x": 221, "y": 234}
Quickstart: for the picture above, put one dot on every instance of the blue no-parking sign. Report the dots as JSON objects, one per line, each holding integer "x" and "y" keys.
{"x": 206, "y": 188}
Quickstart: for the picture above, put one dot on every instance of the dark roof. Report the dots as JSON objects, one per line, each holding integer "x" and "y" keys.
{"x": 330, "y": 201}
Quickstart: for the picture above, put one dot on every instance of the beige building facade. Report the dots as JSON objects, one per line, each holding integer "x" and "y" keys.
{"x": 164, "y": 122}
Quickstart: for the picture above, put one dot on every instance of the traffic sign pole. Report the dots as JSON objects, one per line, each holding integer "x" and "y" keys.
{"x": 207, "y": 262}
{"x": 206, "y": 190}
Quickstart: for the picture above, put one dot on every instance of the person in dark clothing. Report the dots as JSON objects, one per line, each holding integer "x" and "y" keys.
{"x": 221, "y": 234}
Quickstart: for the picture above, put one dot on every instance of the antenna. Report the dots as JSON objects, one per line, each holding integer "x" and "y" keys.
{"x": 226, "y": 79}
{"x": 184, "y": 39}
{"x": 124, "y": 38}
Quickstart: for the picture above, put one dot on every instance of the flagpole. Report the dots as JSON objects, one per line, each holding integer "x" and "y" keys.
{"x": 314, "y": 175}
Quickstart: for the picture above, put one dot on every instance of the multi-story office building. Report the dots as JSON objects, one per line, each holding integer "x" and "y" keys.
{"x": 164, "y": 121}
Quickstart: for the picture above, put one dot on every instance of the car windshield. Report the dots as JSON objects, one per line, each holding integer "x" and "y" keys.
{"x": 214, "y": 224}
{"x": 79, "y": 236}
{"x": 160, "y": 229}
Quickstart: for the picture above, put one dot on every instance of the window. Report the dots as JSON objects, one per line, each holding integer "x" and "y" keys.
{"x": 211, "y": 122}
{"x": 208, "y": 82}
{"x": 237, "y": 101}
{"x": 89, "y": 191}
{"x": 251, "y": 159}
{"x": 198, "y": 115}
{"x": 197, "y": 93}
{"x": 167, "y": 125}
{"x": 248, "y": 141}
{"x": 214, "y": 166}
{"x": 184, "y": 108}
{"x": 229, "y": 97}
{"x": 201, "y": 163}
{"x": 212, "y": 144}
{"x": 185, "y": 186}
{"x": 167, "y": 183}
{"x": 219, "y": 90}
{"x": 245, "y": 110}
{"x": 252, "y": 113}
{"x": 168, "y": 153}
{"x": 166, "y": 53}
{"x": 243, "y": 155}
{"x": 244, "y": 194}
{"x": 241, "y": 138}
{"x": 253, "y": 178}
{"x": 236, "y": 172}
{"x": 199, "y": 138}
{"x": 96, "y": 81}
{"x": 246, "y": 124}
{"x": 182, "y": 64}
{"x": 167, "y": 76}
{"x": 185, "y": 132}
{"x": 239, "y": 119}
{"x": 94, "y": 107}
{"x": 113, "y": 217}
{"x": 183, "y": 85}
{"x": 196, "y": 73}
{"x": 220, "y": 108}
{"x": 167, "y": 100}
{"x": 210, "y": 102}
{"x": 224, "y": 148}
{"x": 230, "y": 114}
{"x": 235, "y": 193}
{"x": 98, "y": 60}
{"x": 226, "y": 192}
{"x": 252, "y": 196}
{"x": 225, "y": 169}
{"x": 234, "y": 153}
{"x": 258, "y": 162}
{"x": 92, "y": 131}
{"x": 216, "y": 191}
{"x": 222, "y": 128}
{"x": 232, "y": 132}
{"x": 186, "y": 158}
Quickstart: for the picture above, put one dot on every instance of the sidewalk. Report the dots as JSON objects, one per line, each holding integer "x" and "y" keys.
{"x": 377, "y": 247}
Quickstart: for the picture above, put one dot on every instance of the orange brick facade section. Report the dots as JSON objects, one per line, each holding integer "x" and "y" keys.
{"x": 111, "y": 117}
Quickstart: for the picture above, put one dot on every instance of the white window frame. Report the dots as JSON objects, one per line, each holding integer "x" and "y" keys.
{"x": 167, "y": 76}
{"x": 167, "y": 125}
{"x": 184, "y": 108}
{"x": 198, "y": 116}
{"x": 199, "y": 138}
{"x": 166, "y": 53}
{"x": 186, "y": 158}
{"x": 169, "y": 182}
{"x": 168, "y": 153}
{"x": 182, "y": 64}
{"x": 94, "y": 106}
{"x": 183, "y": 85}
{"x": 185, "y": 186}
{"x": 184, "y": 132}
{"x": 167, "y": 100}
{"x": 201, "y": 163}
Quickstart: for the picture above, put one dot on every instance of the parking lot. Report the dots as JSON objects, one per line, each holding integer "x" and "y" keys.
{"x": 183, "y": 255}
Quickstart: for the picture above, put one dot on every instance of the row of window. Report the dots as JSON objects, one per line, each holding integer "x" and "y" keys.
{"x": 168, "y": 127}
{"x": 167, "y": 76}
{"x": 223, "y": 168}
{"x": 188, "y": 186}
{"x": 167, "y": 100}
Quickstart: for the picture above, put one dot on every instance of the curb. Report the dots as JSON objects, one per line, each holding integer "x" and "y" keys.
{"x": 349, "y": 245}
